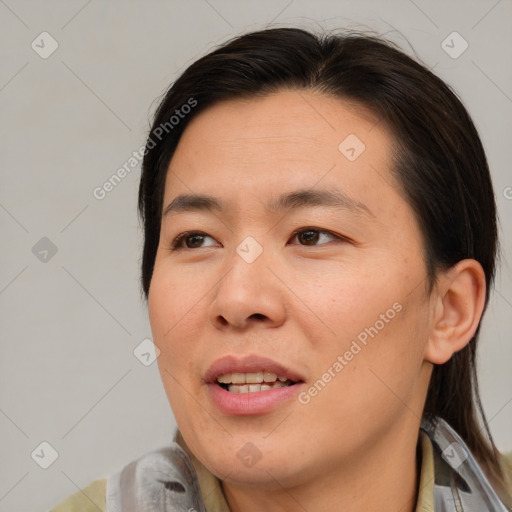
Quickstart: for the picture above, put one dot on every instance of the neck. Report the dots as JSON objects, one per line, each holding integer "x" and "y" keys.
{"x": 385, "y": 478}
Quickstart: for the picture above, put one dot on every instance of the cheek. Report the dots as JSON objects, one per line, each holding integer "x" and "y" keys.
{"x": 346, "y": 304}
{"x": 375, "y": 327}
{"x": 168, "y": 315}
{"x": 171, "y": 315}
{"x": 174, "y": 304}
{"x": 374, "y": 383}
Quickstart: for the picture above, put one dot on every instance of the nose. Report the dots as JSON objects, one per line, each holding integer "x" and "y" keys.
{"x": 248, "y": 294}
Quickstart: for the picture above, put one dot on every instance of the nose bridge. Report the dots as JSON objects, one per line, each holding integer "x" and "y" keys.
{"x": 250, "y": 250}
{"x": 248, "y": 265}
{"x": 248, "y": 288}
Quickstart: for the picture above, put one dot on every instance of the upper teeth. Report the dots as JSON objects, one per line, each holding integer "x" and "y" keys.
{"x": 249, "y": 378}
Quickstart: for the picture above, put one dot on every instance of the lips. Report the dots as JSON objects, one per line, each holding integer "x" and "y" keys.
{"x": 249, "y": 364}
{"x": 252, "y": 399}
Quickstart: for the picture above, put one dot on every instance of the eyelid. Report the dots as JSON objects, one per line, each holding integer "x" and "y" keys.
{"x": 320, "y": 230}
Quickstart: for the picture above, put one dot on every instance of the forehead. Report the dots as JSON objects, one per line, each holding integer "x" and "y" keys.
{"x": 301, "y": 120}
{"x": 290, "y": 139}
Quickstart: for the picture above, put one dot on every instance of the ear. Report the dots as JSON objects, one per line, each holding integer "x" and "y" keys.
{"x": 459, "y": 300}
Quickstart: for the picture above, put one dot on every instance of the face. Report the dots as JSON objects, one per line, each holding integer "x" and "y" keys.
{"x": 307, "y": 256}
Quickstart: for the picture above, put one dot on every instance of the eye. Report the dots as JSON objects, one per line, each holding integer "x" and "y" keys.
{"x": 194, "y": 239}
{"x": 311, "y": 235}
{"x": 196, "y": 236}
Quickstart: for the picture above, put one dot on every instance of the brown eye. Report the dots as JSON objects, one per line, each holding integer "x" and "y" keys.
{"x": 310, "y": 236}
{"x": 192, "y": 239}
{"x": 196, "y": 241}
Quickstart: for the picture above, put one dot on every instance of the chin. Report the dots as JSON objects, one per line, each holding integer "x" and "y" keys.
{"x": 257, "y": 462}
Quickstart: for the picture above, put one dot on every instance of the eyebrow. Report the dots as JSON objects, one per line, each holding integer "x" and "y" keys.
{"x": 297, "y": 199}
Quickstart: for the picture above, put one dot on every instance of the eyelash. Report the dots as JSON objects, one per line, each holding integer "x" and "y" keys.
{"x": 175, "y": 246}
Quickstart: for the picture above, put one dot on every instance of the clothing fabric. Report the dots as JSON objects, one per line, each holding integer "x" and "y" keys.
{"x": 172, "y": 479}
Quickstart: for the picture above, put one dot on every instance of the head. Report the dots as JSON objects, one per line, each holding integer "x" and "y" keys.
{"x": 394, "y": 279}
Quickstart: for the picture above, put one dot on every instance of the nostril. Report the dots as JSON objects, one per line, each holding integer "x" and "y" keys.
{"x": 223, "y": 321}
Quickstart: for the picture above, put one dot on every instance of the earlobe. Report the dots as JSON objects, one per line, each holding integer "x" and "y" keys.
{"x": 458, "y": 307}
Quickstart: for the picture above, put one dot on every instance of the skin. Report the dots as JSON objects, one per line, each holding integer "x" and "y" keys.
{"x": 353, "y": 445}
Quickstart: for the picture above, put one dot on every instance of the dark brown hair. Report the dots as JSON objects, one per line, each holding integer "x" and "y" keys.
{"x": 440, "y": 164}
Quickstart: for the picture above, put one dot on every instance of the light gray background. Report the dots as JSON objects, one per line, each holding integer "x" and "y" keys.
{"x": 69, "y": 325}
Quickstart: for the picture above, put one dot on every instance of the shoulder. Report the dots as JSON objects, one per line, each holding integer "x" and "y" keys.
{"x": 506, "y": 461}
{"x": 88, "y": 499}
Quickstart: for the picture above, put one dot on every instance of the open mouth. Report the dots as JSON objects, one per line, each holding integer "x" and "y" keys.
{"x": 252, "y": 382}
